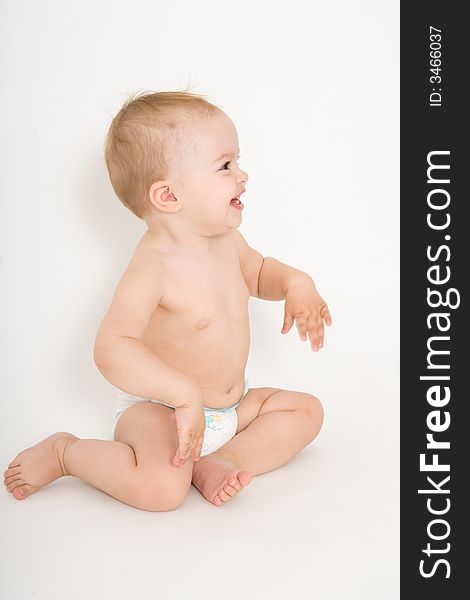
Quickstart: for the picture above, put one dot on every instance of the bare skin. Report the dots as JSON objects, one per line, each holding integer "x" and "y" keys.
{"x": 289, "y": 420}
{"x": 199, "y": 330}
{"x": 37, "y": 466}
{"x": 218, "y": 479}
{"x": 206, "y": 304}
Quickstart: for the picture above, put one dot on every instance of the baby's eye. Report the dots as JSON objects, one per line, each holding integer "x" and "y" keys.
{"x": 227, "y": 163}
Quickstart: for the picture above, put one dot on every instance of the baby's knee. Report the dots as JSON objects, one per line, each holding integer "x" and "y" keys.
{"x": 161, "y": 494}
{"x": 314, "y": 409}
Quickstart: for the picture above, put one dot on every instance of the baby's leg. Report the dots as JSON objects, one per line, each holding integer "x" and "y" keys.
{"x": 273, "y": 426}
{"x": 136, "y": 468}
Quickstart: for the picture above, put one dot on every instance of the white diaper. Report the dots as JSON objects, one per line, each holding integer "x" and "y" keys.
{"x": 221, "y": 423}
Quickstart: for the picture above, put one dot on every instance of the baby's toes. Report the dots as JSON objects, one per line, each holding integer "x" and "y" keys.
{"x": 12, "y": 484}
{"x": 223, "y": 496}
{"x": 10, "y": 472}
{"x": 244, "y": 478}
{"x": 236, "y": 484}
{"x": 16, "y": 462}
{"x": 231, "y": 491}
{"x": 22, "y": 491}
{"x": 9, "y": 481}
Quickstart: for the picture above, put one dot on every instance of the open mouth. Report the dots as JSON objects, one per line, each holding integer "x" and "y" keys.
{"x": 236, "y": 202}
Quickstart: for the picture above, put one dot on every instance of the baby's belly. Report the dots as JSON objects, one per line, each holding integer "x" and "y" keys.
{"x": 213, "y": 351}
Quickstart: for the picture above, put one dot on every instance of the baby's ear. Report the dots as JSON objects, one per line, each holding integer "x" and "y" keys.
{"x": 161, "y": 197}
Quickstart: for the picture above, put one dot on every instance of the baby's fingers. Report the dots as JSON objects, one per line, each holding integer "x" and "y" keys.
{"x": 316, "y": 334}
{"x": 187, "y": 449}
{"x": 325, "y": 314}
{"x": 178, "y": 459}
{"x": 197, "y": 449}
{"x": 288, "y": 322}
{"x": 183, "y": 450}
{"x": 301, "y": 323}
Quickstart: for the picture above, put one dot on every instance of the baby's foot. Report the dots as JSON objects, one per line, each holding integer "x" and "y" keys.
{"x": 37, "y": 466}
{"x": 218, "y": 479}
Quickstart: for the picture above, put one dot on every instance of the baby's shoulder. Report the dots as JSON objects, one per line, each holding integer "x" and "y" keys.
{"x": 144, "y": 270}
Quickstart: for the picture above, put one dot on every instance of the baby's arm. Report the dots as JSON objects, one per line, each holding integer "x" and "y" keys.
{"x": 270, "y": 279}
{"x": 120, "y": 353}
{"x": 266, "y": 278}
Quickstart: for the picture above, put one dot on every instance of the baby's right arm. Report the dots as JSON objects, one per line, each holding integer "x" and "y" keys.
{"x": 121, "y": 355}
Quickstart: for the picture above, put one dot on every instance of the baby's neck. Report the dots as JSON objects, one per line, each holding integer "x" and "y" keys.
{"x": 179, "y": 241}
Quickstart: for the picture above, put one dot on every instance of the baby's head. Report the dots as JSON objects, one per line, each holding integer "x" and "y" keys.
{"x": 173, "y": 155}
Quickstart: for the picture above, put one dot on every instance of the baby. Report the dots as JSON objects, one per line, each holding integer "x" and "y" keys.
{"x": 175, "y": 338}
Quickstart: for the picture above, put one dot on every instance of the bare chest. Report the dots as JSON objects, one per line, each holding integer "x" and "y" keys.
{"x": 201, "y": 296}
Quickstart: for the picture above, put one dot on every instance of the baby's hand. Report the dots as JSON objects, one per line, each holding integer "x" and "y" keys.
{"x": 309, "y": 310}
{"x": 190, "y": 424}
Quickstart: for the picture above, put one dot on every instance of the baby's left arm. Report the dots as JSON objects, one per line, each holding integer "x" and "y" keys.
{"x": 270, "y": 279}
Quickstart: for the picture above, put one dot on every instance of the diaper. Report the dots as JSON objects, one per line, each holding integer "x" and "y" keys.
{"x": 221, "y": 423}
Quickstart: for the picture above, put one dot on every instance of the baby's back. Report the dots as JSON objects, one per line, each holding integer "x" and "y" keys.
{"x": 201, "y": 326}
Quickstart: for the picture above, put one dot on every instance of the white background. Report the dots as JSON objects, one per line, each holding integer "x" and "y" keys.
{"x": 312, "y": 87}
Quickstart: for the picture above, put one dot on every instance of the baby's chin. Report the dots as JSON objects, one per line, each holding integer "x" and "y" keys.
{"x": 230, "y": 223}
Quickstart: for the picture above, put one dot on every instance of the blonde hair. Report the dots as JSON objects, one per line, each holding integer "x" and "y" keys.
{"x": 143, "y": 140}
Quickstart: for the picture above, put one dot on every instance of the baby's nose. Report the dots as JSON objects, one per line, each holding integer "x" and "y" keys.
{"x": 243, "y": 175}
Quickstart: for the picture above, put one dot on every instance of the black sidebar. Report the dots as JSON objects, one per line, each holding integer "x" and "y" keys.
{"x": 434, "y": 262}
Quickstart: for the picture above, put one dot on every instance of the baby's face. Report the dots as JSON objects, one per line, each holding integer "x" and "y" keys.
{"x": 210, "y": 177}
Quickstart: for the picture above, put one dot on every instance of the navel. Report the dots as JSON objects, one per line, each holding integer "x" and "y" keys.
{"x": 202, "y": 323}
